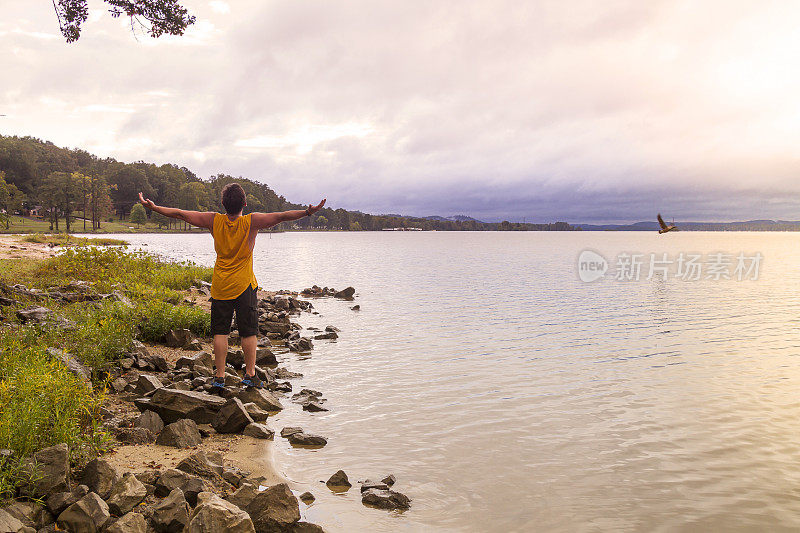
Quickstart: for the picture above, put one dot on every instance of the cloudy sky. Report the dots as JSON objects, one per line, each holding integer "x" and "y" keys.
{"x": 573, "y": 110}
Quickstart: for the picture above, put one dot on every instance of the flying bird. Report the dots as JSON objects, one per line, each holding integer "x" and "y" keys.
{"x": 664, "y": 227}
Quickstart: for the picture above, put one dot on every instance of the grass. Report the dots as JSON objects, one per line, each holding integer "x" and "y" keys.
{"x": 65, "y": 239}
{"x": 33, "y": 225}
{"x": 42, "y": 404}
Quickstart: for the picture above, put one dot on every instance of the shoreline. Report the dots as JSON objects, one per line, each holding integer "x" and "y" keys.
{"x": 243, "y": 466}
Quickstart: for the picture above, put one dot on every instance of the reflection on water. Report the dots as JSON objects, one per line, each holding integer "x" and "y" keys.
{"x": 507, "y": 395}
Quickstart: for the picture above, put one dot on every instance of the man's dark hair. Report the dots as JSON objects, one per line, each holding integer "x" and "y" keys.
{"x": 233, "y": 198}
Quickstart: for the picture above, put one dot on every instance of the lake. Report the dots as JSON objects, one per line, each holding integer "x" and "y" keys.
{"x": 506, "y": 394}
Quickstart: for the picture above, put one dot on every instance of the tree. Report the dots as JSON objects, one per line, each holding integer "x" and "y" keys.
{"x": 160, "y": 219}
{"x": 138, "y": 215}
{"x": 155, "y": 17}
{"x": 321, "y": 221}
{"x": 11, "y": 199}
{"x": 130, "y": 180}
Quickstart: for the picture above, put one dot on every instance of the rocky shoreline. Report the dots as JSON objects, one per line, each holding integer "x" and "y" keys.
{"x": 159, "y": 399}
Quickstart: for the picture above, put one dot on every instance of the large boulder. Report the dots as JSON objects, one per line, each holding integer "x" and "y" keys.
{"x": 190, "y": 485}
{"x": 31, "y": 514}
{"x": 150, "y": 421}
{"x": 130, "y": 523}
{"x": 126, "y": 495}
{"x": 274, "y": 509}
{"x": 385, "y": 499}
{"x": 35, "y": 315}
{"x": 213, "y": 514}
{"x": 100, "y": 476}
{"x": 47, "y": 471}
{"x": 204, "y": 464}
{"x": 171, "y": 514}
{"x": 87, "y": 515}
{"x": 173, "y": 405}
{"x": 180, "y": 434}
{"x": 306, "y": 439}
{"x": 232, "y": 417}
{"x": 262, "y": 398}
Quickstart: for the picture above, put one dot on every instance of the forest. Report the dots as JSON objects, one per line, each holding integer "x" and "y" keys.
{"x": 60, "y": 185}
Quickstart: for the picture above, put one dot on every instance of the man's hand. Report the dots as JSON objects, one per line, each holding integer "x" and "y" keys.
{"x": 148, "y": 203}
{"x": 314, "y": 208}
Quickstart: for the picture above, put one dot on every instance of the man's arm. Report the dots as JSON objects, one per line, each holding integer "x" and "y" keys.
{"x": 201, "y": 219}
{"x": 267, "y": 220}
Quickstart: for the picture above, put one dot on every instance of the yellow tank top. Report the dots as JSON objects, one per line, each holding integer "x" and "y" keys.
{"x": 233, "y": 271}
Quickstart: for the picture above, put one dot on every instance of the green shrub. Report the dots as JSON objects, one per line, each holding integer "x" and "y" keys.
{"x": 155, "y": 318}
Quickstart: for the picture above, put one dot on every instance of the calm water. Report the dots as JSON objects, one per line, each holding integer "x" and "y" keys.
{"x": 507, "y": 395}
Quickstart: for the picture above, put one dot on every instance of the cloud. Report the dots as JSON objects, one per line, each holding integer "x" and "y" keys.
{"x": 544, "y": 110}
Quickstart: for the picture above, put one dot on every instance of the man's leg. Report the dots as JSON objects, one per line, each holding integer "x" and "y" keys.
{"x": 249, "y": 349}
{"x": 221, "y": 353}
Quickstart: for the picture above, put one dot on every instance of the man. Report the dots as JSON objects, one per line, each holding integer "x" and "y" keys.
{"x": 233, "y": 284}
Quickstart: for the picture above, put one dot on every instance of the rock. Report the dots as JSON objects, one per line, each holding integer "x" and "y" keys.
{"x": 147, "y": 383}
{"x": 282, "y": 386}
{"x": 306, "y": 527}
{"x": 200, "y": 359}
{"x": 194, "y": 345}
{"x": 172, "y": 514}
{"x": 172, "y": 405}
{"x": 148, "y": 477}
{"x": 289, "y": 431}
{"x": 307, "y": 497}
{"x": 213, "y": 515}
{"x": 385, "y": 499}
{"x": 235, "y": 358}
{"x": 232, "y": 417}
{"x": 280, "y": 328}
{"x": 180, "y": 434}
{"x": 303, "y": 344}
{"x": 72, "y": 364}
{"x": 204, "y": 464}
{"x": 234, "y": 476}
{"x": 368, "y": 484}
{"x": 333, "y": 329}
{"x": 58, "y": 501}
{"x": 274, "y": 509}
{"x": 89, "y": 514}
{"x": 30, "y": 514}
{"x": 178, "y": 338}
{"x": 135, "y": 435}
{"x": 346, "y": 294}
{"x": 313, "y": 406}
{"x": 150, "y": 421}
{"x": 282, "y": 373}
{"x": 356, "y": 308}
{"x": 338, "y": 481}
{"x": 190, "y": 485}
{"x": 305, "y": 439}
{"x": 265, "y": 357}
{"x": 100, "y": 476}
{"x": 118, "y": 385}
{"x": 182, "y": 385}
{"x": 255, "y": 412}
{"x": 243, "y": 495}
{"x": 126, "y": 495}
{"x": 258, "y": 431}
{"x": 34, "y": 315}
{"x": 47, "y": 471}
{"x": 9, "y": 524}
{"x": 389, "y": 480}
{"x": 206, "y": 430}
{"x": 331, "y": 335}
{"x": 263, "y": 399}
{"x": 130, "y": 523}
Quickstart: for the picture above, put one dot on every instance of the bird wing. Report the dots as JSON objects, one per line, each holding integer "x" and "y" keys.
{"x": 661, "y": 222}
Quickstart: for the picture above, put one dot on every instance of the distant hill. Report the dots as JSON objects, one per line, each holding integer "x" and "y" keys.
{"x": 747, "y": 225}
{"x": 455, "y": 218}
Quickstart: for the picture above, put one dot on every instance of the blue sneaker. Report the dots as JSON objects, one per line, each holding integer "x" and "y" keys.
{"x": 252, "y": 381}
{"x": 217, "y": 384}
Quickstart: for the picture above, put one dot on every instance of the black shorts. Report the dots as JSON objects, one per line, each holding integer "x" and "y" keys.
{"x": 245, "y": 306}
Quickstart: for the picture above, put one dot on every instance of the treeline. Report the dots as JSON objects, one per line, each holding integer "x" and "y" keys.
{"x": 38, "y": 177}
